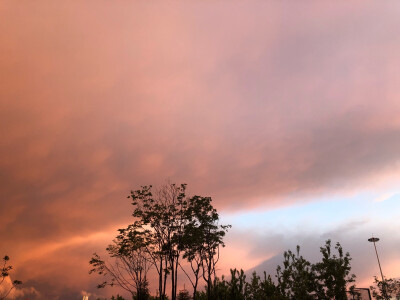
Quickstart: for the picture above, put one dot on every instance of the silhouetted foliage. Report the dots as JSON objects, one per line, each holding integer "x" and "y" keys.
{"x": 148, "y": 214}
{"x": 184, "y": 295}
{"x": 129, "y": 264}
{"x": 389, "y": 289}
{"x": 327, "y": 279}
{"x": 296, "y": 280}
{"x": 333, "y": 273}
{"x": 237, "y": 288}
{"x": 117, "y": 298}
{"x": 168, "y": 227}
{"x": 5, "y": 273}
{"x": 202, "y": 239}
{"x": 237, "y": 285}
{"x": 258, "y": 289}
{"x": 166, "y": 215}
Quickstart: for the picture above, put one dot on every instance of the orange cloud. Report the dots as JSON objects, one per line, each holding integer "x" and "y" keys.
{"x": 256, "y": 105}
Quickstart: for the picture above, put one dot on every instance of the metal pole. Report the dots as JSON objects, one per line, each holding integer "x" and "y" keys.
{"x": 379, "y": 263}
{"x": 374, "y": 240}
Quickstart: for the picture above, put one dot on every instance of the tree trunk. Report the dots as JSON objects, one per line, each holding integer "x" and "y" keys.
{"x": 165, "y": 283}
{"x": 160, "y": 283}
{"x": 176, "y": 276}
{"x": 195, "y": 287}
{"x": 173, "y": 293}
{"x": 209, "y": 281}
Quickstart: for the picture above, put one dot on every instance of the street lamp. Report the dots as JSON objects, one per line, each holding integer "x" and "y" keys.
{"x": 374, "y": 240}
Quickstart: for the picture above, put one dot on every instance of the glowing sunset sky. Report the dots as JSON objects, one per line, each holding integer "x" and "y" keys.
{"x": 286, "y": 113}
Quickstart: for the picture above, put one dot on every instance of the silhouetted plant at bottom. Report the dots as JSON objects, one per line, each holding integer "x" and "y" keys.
{"x": 142, "y": 293}
{"x": 128, "y": 266}
{"x": 297, "y": 278}
{"x": 117, "y": 298}
{"x": 391, "y": 287}
{"x": 332, "y": 274}
{"x": 239, "y": 289}
{"x": 258, "y": 289}
{"x": 219, "y": 290}
{"x": 184, "y": 295}
{"x": 4, "y": 275}
{"x": 170, "y": 228}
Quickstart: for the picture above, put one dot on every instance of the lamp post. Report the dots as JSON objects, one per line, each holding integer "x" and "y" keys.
{"x": 374, "y": 240}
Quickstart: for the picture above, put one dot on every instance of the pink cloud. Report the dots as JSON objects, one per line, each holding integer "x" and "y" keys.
{"x": 256, "y": 104}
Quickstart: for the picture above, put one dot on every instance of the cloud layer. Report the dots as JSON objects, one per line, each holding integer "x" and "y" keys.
{"x": 257, "y": 104}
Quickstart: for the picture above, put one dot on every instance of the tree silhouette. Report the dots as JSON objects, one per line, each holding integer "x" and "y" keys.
{"x": 166, "y": 216}
{"x": 184, "y": 295}
{"x": 202, "y": 239}
{"x": 5, "y": 273}
{"x": 172, "y": 231}
{"x": 390, "y": 287}
{"x": 333, "y": 273}
{"x": 168, "y": 228}
{"x": 296, "y": 280}
{"x": 258, "y": 289}
{"x": 147, "y": 213}
{"x": 117, "y": 298}
{"x": 237, "y": 285}
{"x": 128, "y": 266}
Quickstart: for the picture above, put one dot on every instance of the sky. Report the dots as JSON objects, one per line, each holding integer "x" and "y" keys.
{"x": 285, "y": 113}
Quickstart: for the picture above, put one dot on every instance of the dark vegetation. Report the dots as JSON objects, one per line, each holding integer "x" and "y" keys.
{"x": 388, "y": 289}
{"x": 5, "y": 286}
{"x": 173, "y": 233}
{"x": 169, "y": 228}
